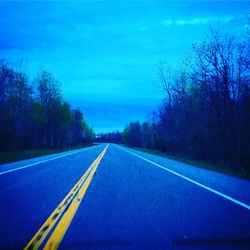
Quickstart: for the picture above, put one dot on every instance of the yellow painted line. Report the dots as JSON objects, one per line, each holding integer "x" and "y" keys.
{"x": 44, "y": 230}
{"x": 61, "y": 228}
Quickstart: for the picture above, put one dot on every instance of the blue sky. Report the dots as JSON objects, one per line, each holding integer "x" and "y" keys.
{"x": 106, "y": 53}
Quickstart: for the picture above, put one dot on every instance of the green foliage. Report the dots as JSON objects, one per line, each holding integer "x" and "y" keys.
{"x": 41, "y": 120}
{"x": 206, "y": 112}
{"x": 37, "y": 114}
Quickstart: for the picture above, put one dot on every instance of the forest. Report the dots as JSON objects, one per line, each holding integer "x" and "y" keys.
{"x": 206, "y": 111}
{"x": 34, "y": 113}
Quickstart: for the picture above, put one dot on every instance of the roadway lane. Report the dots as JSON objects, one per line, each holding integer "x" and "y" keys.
{"x": 130, "y": 204}
{"x": 233, "y": 186}
{"x": 28, "y": 196}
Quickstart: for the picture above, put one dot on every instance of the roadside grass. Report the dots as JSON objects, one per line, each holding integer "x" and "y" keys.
{"x": 12, "y": 156}
{"x": 200, "y": 164}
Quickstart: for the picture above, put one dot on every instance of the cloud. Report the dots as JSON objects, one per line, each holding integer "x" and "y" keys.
{"x": 167, "y": 22}
{"x": 199, "y": 20}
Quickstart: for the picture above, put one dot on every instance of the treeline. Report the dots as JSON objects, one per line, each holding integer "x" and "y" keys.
{"x": 136, "y": 134}
{"x": 113, "y": 137}
{"x": 37, "y": 117}
{"x": 206, "y": 112}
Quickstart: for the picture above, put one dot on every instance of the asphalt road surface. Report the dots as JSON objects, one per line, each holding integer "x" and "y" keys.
{"x": 112, "y": 197}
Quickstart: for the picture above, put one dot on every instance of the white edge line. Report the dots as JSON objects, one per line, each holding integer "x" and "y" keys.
{"x": 36, "y": 163}
{"x": 190, "y": 180}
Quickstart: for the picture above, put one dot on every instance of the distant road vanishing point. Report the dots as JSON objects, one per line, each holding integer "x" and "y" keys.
{"x": 114, "y": 197}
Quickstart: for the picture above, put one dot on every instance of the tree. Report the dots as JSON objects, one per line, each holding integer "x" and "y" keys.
{"x": 37, "y": 120}
{"x": 50, "y": 98}
{"x": 15, "y": 105}
{"x": 205, "y": 114}
{"x": 133, "y": 134}
{"x": 206, "y": 110}
{"x": 76, "y": 127}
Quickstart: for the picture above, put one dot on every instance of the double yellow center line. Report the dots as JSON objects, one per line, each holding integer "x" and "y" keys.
{"x": 65, "y": 211}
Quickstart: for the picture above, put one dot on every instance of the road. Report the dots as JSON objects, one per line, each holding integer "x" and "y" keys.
{"x": 112, "y": 197}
